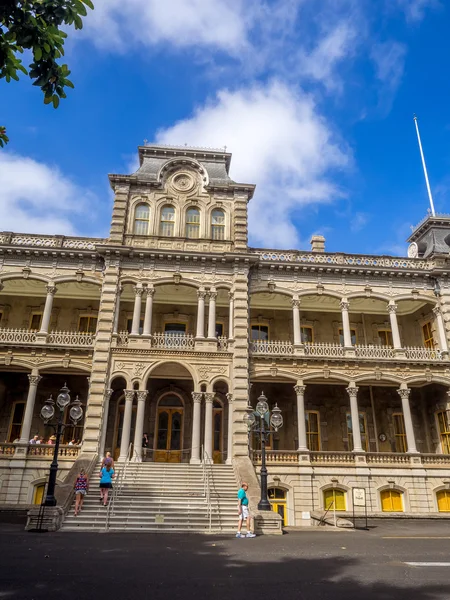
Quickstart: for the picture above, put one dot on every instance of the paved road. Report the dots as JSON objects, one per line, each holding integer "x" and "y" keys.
{"x": 313, "y": 565}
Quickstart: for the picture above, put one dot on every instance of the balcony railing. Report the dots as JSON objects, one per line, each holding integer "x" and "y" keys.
{"x": 423, "y": 354}
{"x": 176, "y": 341}
{"x": 272, "y": 348}
{"x": 374, "y": 352}
{"x": 39, "y": 450}
{"x": 324, "y": 350}
{"x": 54, "y": 338}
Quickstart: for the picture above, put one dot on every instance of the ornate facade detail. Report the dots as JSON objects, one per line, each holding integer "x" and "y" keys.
{"x": 197, "y": 396}
{"x": 352, "y": 391}
{"x": 138, "y": 369}
{"x": 300, "y": 390}
{"x": 209, "y": 397}
{"x": 392, "y": 308}
{"x": 129, "y": 395}
{"x": 404, "y": 393}
{"x": 34, "y": 379}
{"x": 207, "y": 371}
{"x": 141, "y": 395}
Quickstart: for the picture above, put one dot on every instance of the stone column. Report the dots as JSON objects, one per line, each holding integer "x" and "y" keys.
{"x": 45, "y": 323}
{"x": 346, "y": 323}
{"x": 108, "y": 394}
{"x": 296, "y": 321}
{"x": 212, "y": 315}
{"x": 352, "y": 391}
{"x": 117, "y": 311}
{"x": 404, "y": 392}
{"x": 392, "y": 309}
{"x": 201, "y": 314}
{"x": 230, "y": 430}
{"x": 301, "y": 421}
{"x": 139, "y": 429}
{"x": 231, "y": 317}
{"x": 34, "y": 379}
{"x": 138, "y": 290}
{"x": 443, "y": 345}
{"x": 148, "y": 311}
{"x": 196, "y": 418}
{"x": 126, "y": 428}
{"x": 209, "y": 397}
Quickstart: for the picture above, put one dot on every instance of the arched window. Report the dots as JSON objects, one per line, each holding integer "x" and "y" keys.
{"x": 38, "y": 493}
{"x": 193, "y": 223}
{"x": 443, "y": 500}
{"x": 391, "y": 501}
{"x": 141, "y": 219}
{"x": 278, "y": 502}
{"x": 334, "y": 499}
{"x": 167, "y": 224}
{"x": 218, "y": 224}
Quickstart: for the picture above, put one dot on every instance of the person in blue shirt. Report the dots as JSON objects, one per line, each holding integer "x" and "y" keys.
{"x": 106, "y": 477}
{"x": 243, "y": 511}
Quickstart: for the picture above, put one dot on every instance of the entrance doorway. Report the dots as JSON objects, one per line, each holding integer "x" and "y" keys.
{"x": 278, "y": 501}
{"x": 169, "y": 429}
{"x": 217, "y": 432}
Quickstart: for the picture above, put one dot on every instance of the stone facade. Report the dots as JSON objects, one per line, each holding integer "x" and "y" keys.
{"x": 172, "y": 325}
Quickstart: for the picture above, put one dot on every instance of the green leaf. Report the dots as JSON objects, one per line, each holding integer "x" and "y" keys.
{"x": 55, "y": 101}
{"x": 47, "y": 99}
{"x": 37, "y": 53}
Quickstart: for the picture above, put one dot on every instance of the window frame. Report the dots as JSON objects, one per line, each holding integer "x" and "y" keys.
{"x": 313, "y": 433}
{"x": 365, "y": 442}
{"x": 341, "y": 335}
{"x": 222, "y": 324}
{"x": 399, "y": 437}
{"x": 188, "y": 224}
{"x": 140, "y": 219}
{"x": 311, "y": 329}
{"x": 428, "y": 342}
{"x": 444, "y": 436}
{"x": 88, "y": 316}
{"x": 179, "y": 323}
{"x": 392, "y": 492}
{"x": 216, "y": 227}
{"x": 35, "y": 313}
{"x": 129, "y": 325}
{"x": 386, "y": 333}
{"x": 163, "y": 223}
{"x": 342, "y": 495}
{"x": 11, "y": 422}
{"x": 446, "y": 493}
{"x": 259, "y": 325}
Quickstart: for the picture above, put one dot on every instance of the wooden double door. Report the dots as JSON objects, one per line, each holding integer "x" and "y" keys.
{"x": 169, "y": 435}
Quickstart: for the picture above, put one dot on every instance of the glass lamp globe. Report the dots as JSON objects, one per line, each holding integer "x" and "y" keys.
{"x": 48, "y": 410}
{"x": 262, "y": 407}
{"x": 76, "y": 412}
{"x": 276, "y": 419}
{"x": 249, "y": 417}
{"x": 63, "y": 398}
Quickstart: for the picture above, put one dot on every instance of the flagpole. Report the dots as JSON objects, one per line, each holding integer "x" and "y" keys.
{"x": 424, "y": 168}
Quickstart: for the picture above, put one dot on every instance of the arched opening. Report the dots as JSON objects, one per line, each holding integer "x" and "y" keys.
{"x": 335, "y": 499}
{"x": 218, "y": 224}
{"x": 169, "y": 431}
{"x": 167, "y": 221}
{"x": 391, "y": 501}
{"x": 278, "y": 502}
{"x": 141, "y": 219}
{"x": 193, "y": 223}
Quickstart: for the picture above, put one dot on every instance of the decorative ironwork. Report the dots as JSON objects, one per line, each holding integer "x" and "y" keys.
{"x": 174, "y": 341}
{"x": 273, "y": 348}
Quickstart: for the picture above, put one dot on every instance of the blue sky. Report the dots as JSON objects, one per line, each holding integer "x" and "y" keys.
{"x": 314, "y": 98}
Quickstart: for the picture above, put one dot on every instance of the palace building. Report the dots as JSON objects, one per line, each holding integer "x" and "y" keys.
{"x": 172, "y": 325}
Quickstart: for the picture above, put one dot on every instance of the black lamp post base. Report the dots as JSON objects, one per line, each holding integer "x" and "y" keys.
{"x": 264, "y": 505}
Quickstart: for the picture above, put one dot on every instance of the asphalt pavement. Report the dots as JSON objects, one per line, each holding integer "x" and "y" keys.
{"x": 395, "y": 560}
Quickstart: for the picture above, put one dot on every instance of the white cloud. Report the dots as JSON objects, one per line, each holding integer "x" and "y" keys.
{"x": 415, "y": 9}
{"x": 37, "y": 198}
{"x": 117, "y": 25}
{"x": 389, "y": 62}
{"x": 359, "y": 221}
{"x": 280, "y": 142}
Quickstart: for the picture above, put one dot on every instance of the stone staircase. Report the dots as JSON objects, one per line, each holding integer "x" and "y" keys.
{"x": 161, "y": 497}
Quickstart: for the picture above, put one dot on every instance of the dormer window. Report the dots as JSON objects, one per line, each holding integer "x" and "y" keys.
{"x": 193, "y": 223}
{"x": 218, "y": 224}
{"x": 167, "y": 223}
{"x": 141, "y": 219}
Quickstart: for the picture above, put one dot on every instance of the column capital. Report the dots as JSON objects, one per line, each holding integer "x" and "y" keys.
{"x": 108, "y": 393}
{"x": 209, "y": 397}
{"x": 119, "y": 289}
{"x": 138, "y": 290}
{"x": 212, "y": 294}
{"x": 201, "y": 294}
{"x": 230, "y": 398}
{"x": 404, "y": 392}
{"x": 150, "y": 291}
{"x": 142, "y": 395}
{"x": 129, "y": 394}
{"x": 230, "y": 294}
{"x": 344, "y": 304}
{"x": 34, "y": 379}
{"x": 352, "y": 391}
{"x": 392, "y": 307}
{"x": 300, "y": 390}
{"x": 296, "y": 302}
{"x": 51, "y": 289}
{"x": 197, "y": 396}
{"x": 437, "y": 310}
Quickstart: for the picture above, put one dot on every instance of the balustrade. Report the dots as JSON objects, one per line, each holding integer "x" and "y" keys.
{"x": 275, "y": 347}
{"x": 47, "y": 450}
{"x": 277, "y": 456}
{"x": 327, "y": 458}
{"x": 175, "y": 341}
{"x": 423, "y": 353}
{"x": 7, "y": 449}
{"x": 374, "y": 352}
{"x": 70, "y": 338}
{"x": 324, "y": 350}
{"x": 387, "y": 458}
{"x": 17, "y": 336}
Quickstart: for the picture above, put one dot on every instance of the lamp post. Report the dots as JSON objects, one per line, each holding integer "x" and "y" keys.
{"x": 274, "y": 420}
{"x": 47, "y": 413}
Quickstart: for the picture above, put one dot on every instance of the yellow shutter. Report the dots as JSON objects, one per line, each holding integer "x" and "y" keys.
{"x": 38, "y": 493}
{"x": 338, "y": 496}
{"x": 391, "y": 501}
{"x": 443, "y": 500}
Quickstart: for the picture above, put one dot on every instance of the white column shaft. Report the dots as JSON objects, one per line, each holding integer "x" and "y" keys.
{"x": 126, "y": 428}
{"x": 34, "y": 379}
{"x": 409, "y": 429}
{"x": 296, "y": 322}
{"x": 196, "y": 419}
{"x": 148, "y": 312}
{"x": 443, "y": 344}
{"x": 230, "y": 430}
{"x": 137, "y": 311}
{"x": 45, "y": 323}
{"x": 392, "y": 308}
{"x": 105, "y": 422}
{"x": 346, "y": 324}
{"x": 354, "y": 411}
{"x": 212, "y": 316}
{"x": 301, "y": 421}
{"x": 231, "y": 318}
{"x": 117, "y": 313}
{"x": 139, "y": 429}
{"x": 201, "y": 315}
{"x": 209, "y": 426}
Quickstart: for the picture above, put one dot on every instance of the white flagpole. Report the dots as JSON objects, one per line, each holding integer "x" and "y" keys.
{"x": 424, "y": 168}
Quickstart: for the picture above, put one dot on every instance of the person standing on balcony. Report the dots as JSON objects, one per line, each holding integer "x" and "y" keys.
{"x": 34, "y": 440}
{"x": 244, "y": 511}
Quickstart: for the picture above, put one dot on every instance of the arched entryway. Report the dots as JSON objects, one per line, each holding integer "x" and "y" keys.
{"x": 169, "y": 428}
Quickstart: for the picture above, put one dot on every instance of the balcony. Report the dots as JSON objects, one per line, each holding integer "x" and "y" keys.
{"x": 167, "y": 342}
{"x": 66, "y": 339}
{"x": 330, "y": 350}
{"x": 346, "y": 459}
{"x": 39, "y": 451}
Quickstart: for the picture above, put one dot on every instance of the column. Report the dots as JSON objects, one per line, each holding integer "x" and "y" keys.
{"x": 196, "y": 417}
{"x": 212, "y": 315}
{"x": 443, "y": 345}
{"x": 201, "y": 314}
{"x": 126, "y": 428}
{"x": 139, "y": 429}
{"x": 301, "y": 421}
{"x": 230, "y": 430}
{"x": 138, "y": 290}
{"x": 148, "y": 311}
{"x": 346, "y": 323}
{"x": 352, "y": 391}
{"x": 34, "y": 378}
{"x": 296, "y": 321}
{"x": 51, "y": 291}
{"x": 117, "y": 313}
{"x": 231, "y": 317}
{"x": 107, "y": 398}
{"x": 209, "y": 397}
{"x": 392, "y": 309}
{"x": 404, "y": 392}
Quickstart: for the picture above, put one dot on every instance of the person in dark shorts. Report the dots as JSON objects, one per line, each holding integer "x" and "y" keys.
{"x": 106, "y": 477}
{"x": 81, "y": 488}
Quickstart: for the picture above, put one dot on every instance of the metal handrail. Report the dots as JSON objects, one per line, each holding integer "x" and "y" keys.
{"x": 206, "y": 461}
{"x": 120, "y": 478}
